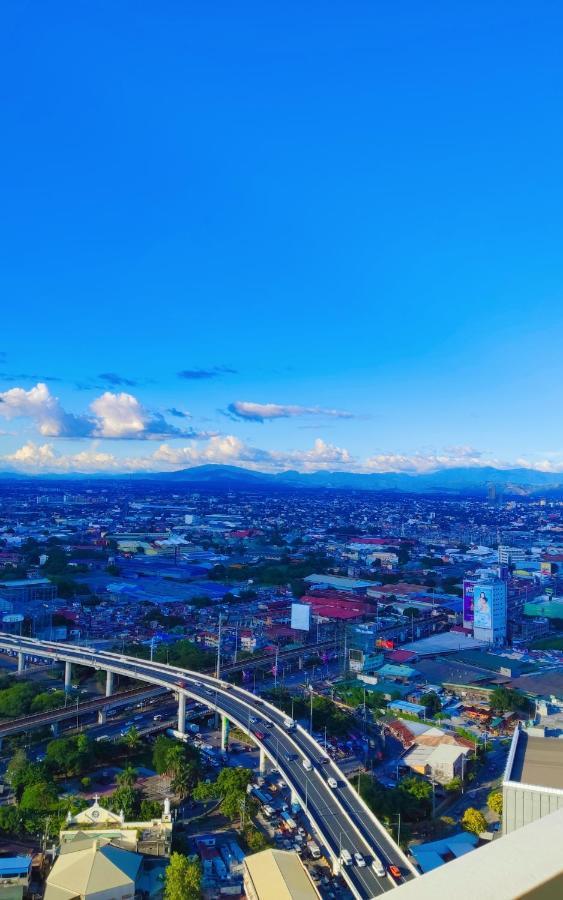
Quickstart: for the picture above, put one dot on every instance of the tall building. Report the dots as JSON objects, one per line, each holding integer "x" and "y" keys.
{"x": 511, "y": 556}
{"x": 490, "y": 610}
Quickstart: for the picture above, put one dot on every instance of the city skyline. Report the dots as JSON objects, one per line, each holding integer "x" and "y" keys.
{"x": 279, "y": 240}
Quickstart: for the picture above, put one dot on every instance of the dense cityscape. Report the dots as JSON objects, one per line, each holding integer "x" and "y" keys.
{"x": 416, "y": 639}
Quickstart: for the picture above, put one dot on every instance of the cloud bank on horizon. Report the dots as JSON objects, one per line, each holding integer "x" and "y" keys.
{"x": 121, "y": 417}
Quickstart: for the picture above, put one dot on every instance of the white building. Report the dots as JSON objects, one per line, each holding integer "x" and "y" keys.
{"x": 489, "y": 611}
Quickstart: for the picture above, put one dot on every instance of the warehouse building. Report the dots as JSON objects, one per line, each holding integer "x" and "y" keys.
{"x": 279, "y": 874}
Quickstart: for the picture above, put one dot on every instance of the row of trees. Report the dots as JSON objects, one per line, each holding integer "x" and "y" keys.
{"x": 22, "y": 697}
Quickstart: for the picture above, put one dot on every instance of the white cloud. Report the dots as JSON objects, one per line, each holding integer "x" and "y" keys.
{"x": 231, "y": 450}
{"x": 39, "y": 404}
{"x": 115, "y": 416}
{"x": 118, "y": 415}
{"x": 262, "y": 412}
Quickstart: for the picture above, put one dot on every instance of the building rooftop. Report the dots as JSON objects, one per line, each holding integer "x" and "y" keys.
{"x": 280, "y": 874}
{"x": 537, "y": 761}
{"x": 527, "y": 863}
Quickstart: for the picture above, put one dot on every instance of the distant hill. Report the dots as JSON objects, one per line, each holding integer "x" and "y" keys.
{"x": 469, "y": 480}
{"x": 459, "y": 480}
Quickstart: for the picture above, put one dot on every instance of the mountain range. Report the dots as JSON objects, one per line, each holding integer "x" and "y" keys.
{"x": 462, "y": 480}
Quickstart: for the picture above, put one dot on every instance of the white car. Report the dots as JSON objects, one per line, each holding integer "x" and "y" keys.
{"x": 360, "y": 861}
{"x": 332, "y": 782}
{"x": 378, "y": 867}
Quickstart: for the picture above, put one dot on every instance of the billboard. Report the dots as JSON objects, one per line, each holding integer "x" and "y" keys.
{"x": 483, "y": 606}
{"x": 468, "y": 591}
{"x": 300, "y": 616}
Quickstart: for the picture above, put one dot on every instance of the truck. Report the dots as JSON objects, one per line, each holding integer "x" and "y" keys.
{"x": 289, "y": 724}
{"x": 295, "y": 809}
{"x": 314, "y": 849}
{"x": 345, "y": 857}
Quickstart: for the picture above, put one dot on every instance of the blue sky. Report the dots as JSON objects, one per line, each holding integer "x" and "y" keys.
{"x": 341, "y": 222}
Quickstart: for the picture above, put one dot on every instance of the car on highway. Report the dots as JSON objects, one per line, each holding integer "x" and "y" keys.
{"x": 307, "y": 765}
{"x": 345, "y": 857}
{"x": 332, "y": 782}
{"x": 359, "y": 860}
{"x": 394, "y": 873}
{"x": 260, "y": 735}
{"x": 378, "y": 867}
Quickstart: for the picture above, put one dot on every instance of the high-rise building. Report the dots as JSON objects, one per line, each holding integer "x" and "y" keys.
{"x": 489, "y": 610}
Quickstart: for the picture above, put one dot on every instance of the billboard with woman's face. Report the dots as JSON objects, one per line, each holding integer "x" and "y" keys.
{"x": 468, "y": 587}
{"x": 482, "y": 607}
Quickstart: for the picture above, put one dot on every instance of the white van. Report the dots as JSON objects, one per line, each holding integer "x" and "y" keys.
{"x": 345, "y": 857}
{"x": 307, "y": 765}
{"x": 332, "y": 782}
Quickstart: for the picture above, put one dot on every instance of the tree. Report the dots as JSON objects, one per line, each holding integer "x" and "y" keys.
{"x": 161, "y": 753}
{"x": 127, "y": 777}
{"x": 182, "y": 880}
{"x": 40, "y": 797}
{"x": 231, "y": 787}
{"x": 16, "y": 769}
{"x": 10, "y": 820}
{"x": 454, "y": 785}
{"x": 432, "y": 703}
{"x": 150, "y": 809}
{"x": 506, "y": 700}
{"x": 184, "y": 778}
{"x": 473, "y": 820}
{"x": 494, "y": 802}
{"x": 255, "y": 840}
{"x": 47, "y": 700}
{"x": 132, "y": 738}
{"x": 125, "y": 799}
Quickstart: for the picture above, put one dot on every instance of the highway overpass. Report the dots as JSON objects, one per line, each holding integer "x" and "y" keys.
{"x": 340, "y": 817}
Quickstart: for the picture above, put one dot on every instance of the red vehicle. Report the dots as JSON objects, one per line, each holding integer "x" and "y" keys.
{"x": 181, "y": 684}
{"x": 260, "y": 735}
{"x": 395, "y": 873}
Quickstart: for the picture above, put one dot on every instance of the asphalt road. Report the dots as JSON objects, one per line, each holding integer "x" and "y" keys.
{"x": 339, "y": 816}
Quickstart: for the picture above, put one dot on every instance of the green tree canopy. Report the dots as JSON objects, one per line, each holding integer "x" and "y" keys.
{"x": 182, "y": 880}
{"x": 40, "y": 797}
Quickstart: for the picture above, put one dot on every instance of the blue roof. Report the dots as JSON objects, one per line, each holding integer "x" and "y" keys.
{"x": 430, "y": 856}
{"x": 12, "y": 863}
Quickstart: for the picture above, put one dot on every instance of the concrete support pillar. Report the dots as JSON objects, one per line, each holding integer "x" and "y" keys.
{"x": 1, "y": 739}
{"x": 21, "y": 662}
{"x": 55, "y": 729}
{"x": 224, "y": 733}
{"x": 68, "y": 676}
{"x": 262, "y": 763}
{"x": 300, "y": 663}
{"x": 182, "y": 713}
{"x": 109, "y": 684}
{"x": 102, "y": 716}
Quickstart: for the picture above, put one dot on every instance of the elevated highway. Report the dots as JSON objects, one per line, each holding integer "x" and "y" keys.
{"x": 340, "y": 817}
